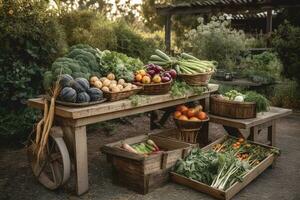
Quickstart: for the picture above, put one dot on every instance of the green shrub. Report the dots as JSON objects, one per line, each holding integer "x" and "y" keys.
{"x": 286, "y": 95}
{"x": 31, "y": 38}
{"x": 90, "y": 27}
{"x": 286, "y": 42}
{"x": 262, "y": 68}
{"x": 16, "y": 126}
{"x": 216, "y": 41}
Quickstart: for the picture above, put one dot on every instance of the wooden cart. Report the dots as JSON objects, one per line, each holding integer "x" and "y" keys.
{"x": 74, "y": 120}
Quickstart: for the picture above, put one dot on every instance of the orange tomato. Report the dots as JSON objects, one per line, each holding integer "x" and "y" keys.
{"x": 138, "y": 77}
{"x": 184, "y": 110}
{"x": 177, "y": 114}
{"x": 142, "y": 72}
{"x": 202, "y": 115}
{"x": 194, "y": 119}
{"x": 183, "y": 117}
{"x": 180, "y": 107}
{"x": 191, "y": 112}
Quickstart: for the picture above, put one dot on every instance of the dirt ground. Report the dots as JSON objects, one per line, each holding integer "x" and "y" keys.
{"x": 281, "y": 182}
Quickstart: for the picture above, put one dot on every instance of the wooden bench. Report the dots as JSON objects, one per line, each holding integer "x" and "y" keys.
{"x": 262, "y": 121}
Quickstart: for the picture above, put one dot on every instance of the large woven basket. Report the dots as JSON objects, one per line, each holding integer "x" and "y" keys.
{"x": 196, "y": 79}
{"x": 155, "y": 88}
{"x": 115, "y": 96}
{"x": 189, "y": 129}
{"x": 232, "y": 109}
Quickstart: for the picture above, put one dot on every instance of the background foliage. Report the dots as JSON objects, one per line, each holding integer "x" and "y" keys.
{"x": 286, "y": 42}
{"x": 216, "y": 41}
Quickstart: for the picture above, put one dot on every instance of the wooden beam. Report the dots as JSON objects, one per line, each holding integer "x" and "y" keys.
{"x": 269, "y": 26}
{"x": 168, "y": 32}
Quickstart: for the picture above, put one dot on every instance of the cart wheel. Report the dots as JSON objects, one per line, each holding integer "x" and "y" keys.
{"x": 54, "y": 168}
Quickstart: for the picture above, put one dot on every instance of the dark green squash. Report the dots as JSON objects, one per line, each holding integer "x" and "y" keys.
{"x": 84, "y": 83}
{"x": 95, "y": 94}
{"x": 65, "y": 80}
{"x": 83, "y": 97}
{"x": 68, "y": 94}
{"x": 76, "y": 86}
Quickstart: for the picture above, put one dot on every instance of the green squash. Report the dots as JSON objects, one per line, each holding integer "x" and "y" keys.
{"x": 68, "y": 94}
{"x": 83, "y": 97}
{"x": 84, "y": 83}
{"x": 95, "y": 94}
{"x": 65, "y": 80}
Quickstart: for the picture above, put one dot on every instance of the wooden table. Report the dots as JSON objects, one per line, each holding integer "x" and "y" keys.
{"x": 74, "y": 121}
{"x": 263, "y": 120}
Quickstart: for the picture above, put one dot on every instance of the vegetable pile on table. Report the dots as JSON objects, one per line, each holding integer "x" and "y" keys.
{"x": 225, "y": 164}
{"x": 77, "y": 90}
{"x": 154, "y": 74}
{"x": 262, "y": 104}
{"x": 184, "y": 64}
{"x": 145, "y": 148}
{"x": 83, "y": 61}
{"x": 110, "y": 84}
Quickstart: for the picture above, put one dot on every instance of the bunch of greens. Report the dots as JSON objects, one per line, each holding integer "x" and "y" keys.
{"x": 181, "y": 88}
{"x": 119, "y": 64}
{"x": 219, "y": 170}
{"x": 262, "y": 103}
{"x": 224, "y": 164}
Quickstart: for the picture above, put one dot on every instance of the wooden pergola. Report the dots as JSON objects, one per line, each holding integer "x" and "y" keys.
{"x": 239, "y": 9}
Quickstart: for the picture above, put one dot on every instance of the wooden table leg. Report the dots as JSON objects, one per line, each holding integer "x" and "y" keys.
{"x": 272, "y": 133}
{"x": 203, "y": 133}
{"x": 81, "y": 160}
{"x": 253, "y": 134}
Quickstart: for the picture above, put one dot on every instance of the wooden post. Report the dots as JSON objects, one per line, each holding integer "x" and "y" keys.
{"x": 168, "y": 33}
{"x": 81, "y": 160}
{"x": 269, "y": 26}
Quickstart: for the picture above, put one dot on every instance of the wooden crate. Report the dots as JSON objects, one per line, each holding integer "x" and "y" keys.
{"x": 235, "y": 188}
{"x": 144, "y": 173}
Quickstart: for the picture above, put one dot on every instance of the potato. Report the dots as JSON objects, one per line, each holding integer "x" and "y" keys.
{"x": 102, "y": 79}
{"x": 98, "y": 84}
{"x": 121, "y": 81}
{"x": 93, "y": 80}
{"x": 120, "y": 86}
{"x": 125, "y": 84}
{"x": 112, "y": 85}
{"x": 105, "y": 89}
{"x": 127, "y": 88}
{"x": 106, "y": 82}
{"x": 113, "y": 82}
{"x": 115, "y": 89}
{"x": 111, "y": 76}
{"x": 134, "y": 86}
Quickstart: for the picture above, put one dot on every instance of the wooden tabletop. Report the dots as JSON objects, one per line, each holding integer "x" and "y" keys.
{"x": 150, "y": 102}
{"x": 272, "y": 114}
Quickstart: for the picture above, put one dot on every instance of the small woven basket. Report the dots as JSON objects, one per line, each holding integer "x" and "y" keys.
{"x": 232, "y": 109}
{"x": 115, "y": 96}
{"x": 196, "y": 79}
{"x": 155, "y": 88}
{"x": 189, "y": 129}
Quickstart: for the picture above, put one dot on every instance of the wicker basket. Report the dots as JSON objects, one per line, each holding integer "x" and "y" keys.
{"x": 155, "y": 88}
{"x": 189, "y": 129}
{"x": 232, "y": 109}
{"x": 196, "y": 79}
{"x": 115, "y": 96}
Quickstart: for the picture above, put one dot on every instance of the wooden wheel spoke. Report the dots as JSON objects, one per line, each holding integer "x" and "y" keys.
{"x": 56, "y": 174}
{"x": 55, "y": 157}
